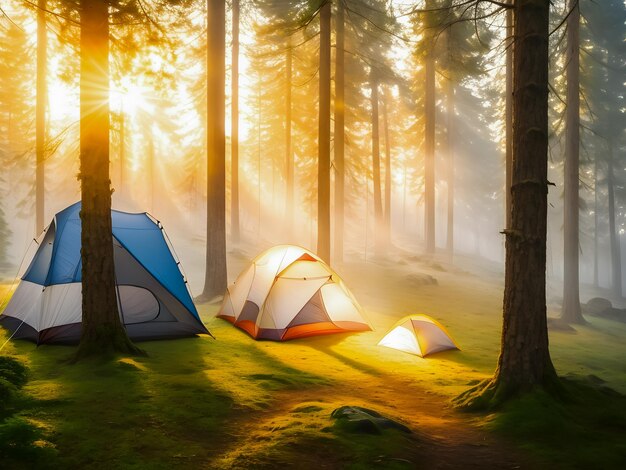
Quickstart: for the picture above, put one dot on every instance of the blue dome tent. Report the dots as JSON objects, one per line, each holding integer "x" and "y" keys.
{"x": 153, "y": 298}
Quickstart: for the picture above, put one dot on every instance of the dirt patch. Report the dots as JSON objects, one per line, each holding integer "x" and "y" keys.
{"x": 299, "y": 422}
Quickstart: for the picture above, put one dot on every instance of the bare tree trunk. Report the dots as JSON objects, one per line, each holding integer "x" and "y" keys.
{"x": 289, "y": 163}
{"x": 508, "y": 110}
{"x": 525, "y": 323}
{"x": 596, "y": 222}
{"x": 339, "y": 134}
{"x": 524, "y": 361}
{"x": 234, "y": 140}
{"x": 378, "y": 205}
{"x": 215, "y": 277}
{"x": 323, "y": 163}
{"x": 616, "y": 255}
{"x": 40, "y": 116}
{"x": 429, "y": 143}
{"x": 258, "y": 154}
{"x": 404, "y": 201}
{"x": 387, "y": 212}
{"x": 102, "y": 329}
{"x": 151, "y": 162}
{"x": 450, "y": 158}
{"x": 122, "y": 149}
{"x": 571, "y": 312}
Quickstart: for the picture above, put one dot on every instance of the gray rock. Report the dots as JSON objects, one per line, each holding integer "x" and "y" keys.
{"x": 597, "y": 305}
{"x": 360, "y": 420}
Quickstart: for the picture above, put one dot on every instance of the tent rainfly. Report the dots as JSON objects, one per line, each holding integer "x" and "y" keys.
{"x": 420, "y": 335}
{"x": 153, "y": 298}
{"x": 288, "y": 292}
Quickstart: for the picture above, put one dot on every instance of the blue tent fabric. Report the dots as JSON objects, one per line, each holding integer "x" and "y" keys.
{"x": 137, "y": 233}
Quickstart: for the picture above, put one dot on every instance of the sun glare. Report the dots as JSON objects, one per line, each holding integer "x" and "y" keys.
{"x": 131, "y": 98}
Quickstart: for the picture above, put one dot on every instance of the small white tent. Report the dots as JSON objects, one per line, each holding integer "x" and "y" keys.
{"x": 418, "y": 334}
{"x": 288, "y": 292}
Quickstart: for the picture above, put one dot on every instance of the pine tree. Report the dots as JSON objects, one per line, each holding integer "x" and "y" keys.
{"x": 571, "y": 312}
{"x": 215, "y": 274}
{"x": 40, "y": 145}
{"x": 522, "y": 369}
{"x": 102, "y": 329}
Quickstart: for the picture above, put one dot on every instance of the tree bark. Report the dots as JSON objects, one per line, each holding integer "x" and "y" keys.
{"x": 234, "y": 139}
{"x": 508, "y": 111}
{"x": 429, "y": 140}
{"x": 215, "y": 277}
{"x": 616, "y": 255}
{"x": 450, "y": 165}
{"x": 524, "y": 361}
{"x": 378, "y": 205}
{"x": 151, "y": 163}
{"x": 596, "y": 222}
{"x": 571, "y": 312}
{"x": 323, "y": 163}
{"x": 102, "y": 329}
{"x": 525, "y": 357}
{"x": 387, "y": 211}
{"x": 40, "y": 115}
{"x": 339, "y": 134}
{"x": 122, "y": 149}
{"x": 289, "y": 163}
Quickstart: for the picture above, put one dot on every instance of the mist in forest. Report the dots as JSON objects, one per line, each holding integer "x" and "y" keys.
{"x": 158, "y": 139}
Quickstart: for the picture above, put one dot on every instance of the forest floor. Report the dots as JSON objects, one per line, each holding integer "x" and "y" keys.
{"x": 232, "y": 402}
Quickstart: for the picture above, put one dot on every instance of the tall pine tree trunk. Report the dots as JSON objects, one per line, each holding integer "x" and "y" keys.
{"x": 339, "y": 133}
{"x": 323, "y": 161}
{"x": 508, "y": 111}
{"x": 596, "y": 222}
{"x": 151, "y": 164}
{"x": 571, "y": 312}
{"x": 215, "y": 276}
{"x": 122, "y": 149}
{"x": 616, "y": 255}
{"x": 387, "y": 212}
{"x": 525, "y": 357}
{"x": 524, "y": 361}
{"x": 450, "y": 165}
{"x": 429, "y": 138}
{"x": 289, "y": 163}
{"x": 40, "y": 116}
{"x": 102, "y": 330}
{"x": 378, "y": 205}
{"x": 234, "y": 140}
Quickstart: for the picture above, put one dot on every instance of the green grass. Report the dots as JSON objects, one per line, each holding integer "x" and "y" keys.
{"x": 169, "y": 409}
{"x": 236, "y": 403}
{"x": 585, "y": 431}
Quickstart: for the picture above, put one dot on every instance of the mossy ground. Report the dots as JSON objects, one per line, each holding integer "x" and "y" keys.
{"x": 236, "y": 403}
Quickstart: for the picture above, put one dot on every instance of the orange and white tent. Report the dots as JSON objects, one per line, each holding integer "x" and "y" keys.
{"x": 288, "y": 292}
{"x": 418, "y": 334}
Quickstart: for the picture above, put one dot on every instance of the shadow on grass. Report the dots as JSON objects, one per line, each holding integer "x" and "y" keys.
{"x": 126, "y": 412}
{"x": 325, "y": 345}
{"x": 178, "y": 407}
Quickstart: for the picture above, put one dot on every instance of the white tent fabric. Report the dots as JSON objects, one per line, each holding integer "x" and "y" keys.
{"x": 61, "y": 304}
{"x": 153, "y": 298}
{"x": 288, "y": 292}
{"x": 420, "y": 335}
